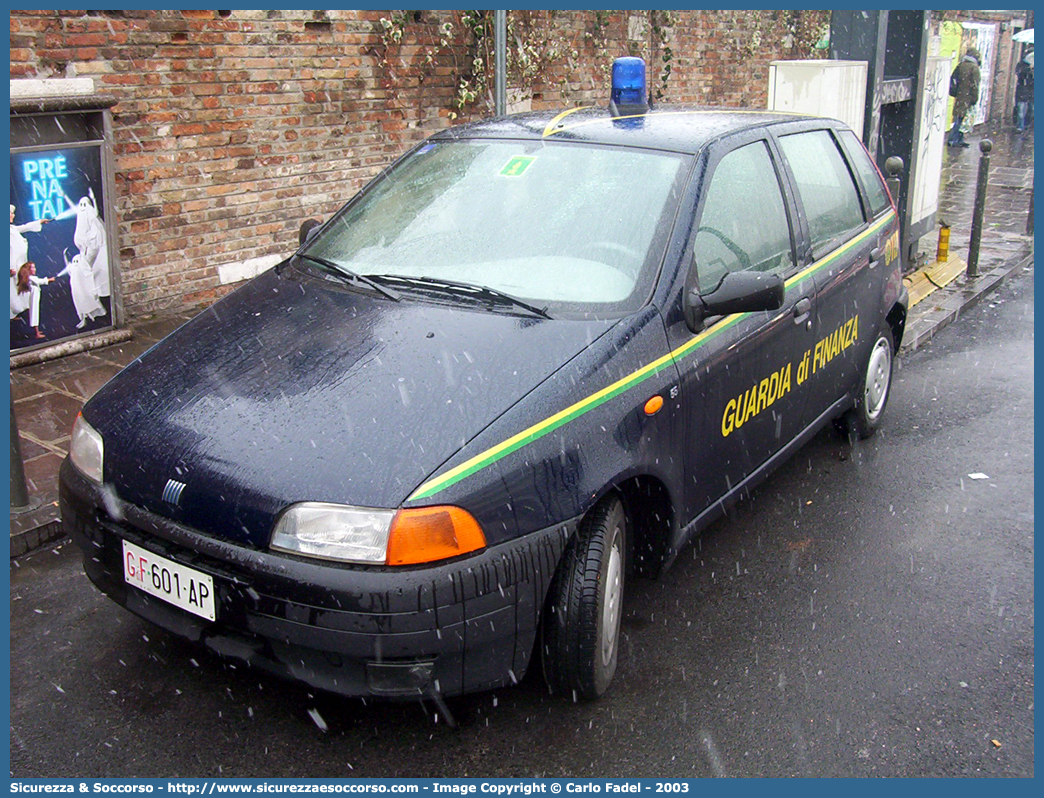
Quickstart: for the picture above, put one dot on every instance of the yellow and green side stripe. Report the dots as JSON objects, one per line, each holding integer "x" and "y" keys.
{"x": 584, "y": 406}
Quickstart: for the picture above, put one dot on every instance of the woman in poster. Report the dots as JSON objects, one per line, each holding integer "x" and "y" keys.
{"x": 25, "y": 295}
{"x": 84, "y": 292}
{"x": 30, "y": 297}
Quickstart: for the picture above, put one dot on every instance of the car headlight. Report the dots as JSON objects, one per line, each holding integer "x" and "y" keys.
{"x": 86, "y": 450}
{"x": 376, "y": 537}
{"x": 334, "y": 532}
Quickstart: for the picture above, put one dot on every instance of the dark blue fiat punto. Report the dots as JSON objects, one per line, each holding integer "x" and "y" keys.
{"x": 532, "y": 358}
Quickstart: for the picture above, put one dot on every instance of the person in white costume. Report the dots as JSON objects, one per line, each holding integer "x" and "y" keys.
{"x": 19, "y": 244}
{"x": 84, "y": 292}
{"x": 89, "y": 238}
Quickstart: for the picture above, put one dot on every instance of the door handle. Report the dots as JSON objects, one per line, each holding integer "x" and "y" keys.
{"x": 801, "y": 309}
{"x": 875, "y": 256}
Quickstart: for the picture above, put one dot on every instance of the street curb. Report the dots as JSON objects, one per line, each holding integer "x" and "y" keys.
{"x": 37, "y": 526}
{"x": 32, "y": 539}
{"x": 944, "y": 306}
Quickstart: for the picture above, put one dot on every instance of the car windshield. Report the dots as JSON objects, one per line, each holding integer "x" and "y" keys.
{"x": 571, "y": 227}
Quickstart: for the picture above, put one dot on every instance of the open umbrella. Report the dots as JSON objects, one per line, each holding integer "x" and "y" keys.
{"x": 1023, "y": 36}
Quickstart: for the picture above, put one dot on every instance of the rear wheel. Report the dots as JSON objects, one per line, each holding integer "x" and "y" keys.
{"x": 863, "y": 420}
{"x": 581, "y": 627}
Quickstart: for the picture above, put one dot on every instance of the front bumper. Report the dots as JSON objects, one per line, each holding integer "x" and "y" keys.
{"x": 460, "y": 627}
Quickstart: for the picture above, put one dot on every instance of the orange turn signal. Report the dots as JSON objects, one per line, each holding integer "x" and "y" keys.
{"x": 427, "y": 534}
{"x": 652, "y": 407}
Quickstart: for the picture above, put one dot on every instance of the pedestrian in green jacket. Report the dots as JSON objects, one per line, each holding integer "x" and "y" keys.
{"x": 967, "y": 94}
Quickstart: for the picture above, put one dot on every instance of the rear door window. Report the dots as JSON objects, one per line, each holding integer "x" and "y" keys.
{"x": 876, "y": 194}
{"x": 825, "y": 185}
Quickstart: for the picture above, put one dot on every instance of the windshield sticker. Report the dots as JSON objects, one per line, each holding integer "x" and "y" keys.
{"x": 517, "y": 166}
{"x": 424, "y": 149}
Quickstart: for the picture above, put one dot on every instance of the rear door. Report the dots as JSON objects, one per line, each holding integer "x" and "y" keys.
{"x": 845, "y": 234}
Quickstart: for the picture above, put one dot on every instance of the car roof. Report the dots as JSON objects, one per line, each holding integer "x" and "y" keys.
{"x": 678, "y": 128}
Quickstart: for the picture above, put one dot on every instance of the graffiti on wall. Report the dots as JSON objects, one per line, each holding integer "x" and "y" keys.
{"x": 925, "y": 190}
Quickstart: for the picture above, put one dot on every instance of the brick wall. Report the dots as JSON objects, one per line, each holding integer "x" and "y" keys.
{"x": 232, "y": 127}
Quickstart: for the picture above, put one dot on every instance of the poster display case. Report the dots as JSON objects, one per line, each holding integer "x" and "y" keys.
{"x": 63, "y": 263}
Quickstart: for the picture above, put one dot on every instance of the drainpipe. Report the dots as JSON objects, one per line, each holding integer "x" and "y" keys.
{"x": 500, "y": 61}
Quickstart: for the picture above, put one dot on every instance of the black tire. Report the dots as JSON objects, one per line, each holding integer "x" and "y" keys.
{"x": 581, "y": 623}
{"x": 863, "y": 420}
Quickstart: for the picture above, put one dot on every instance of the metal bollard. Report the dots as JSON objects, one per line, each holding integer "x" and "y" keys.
{"x": 980, "y": 207}
{"x": 942, "y": 253}
{"x": 893, "y": 166}
{"x": 19, "y": 493}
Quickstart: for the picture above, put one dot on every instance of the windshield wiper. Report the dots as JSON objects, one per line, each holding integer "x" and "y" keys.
{"x": 471, "y": 290}
{"x": 348, "y": 275}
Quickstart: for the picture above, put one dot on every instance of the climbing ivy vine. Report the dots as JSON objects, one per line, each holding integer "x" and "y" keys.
{"x": 544, "y": 47}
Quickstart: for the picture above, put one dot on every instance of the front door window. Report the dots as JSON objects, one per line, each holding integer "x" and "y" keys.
{"x": 744, "y": 222}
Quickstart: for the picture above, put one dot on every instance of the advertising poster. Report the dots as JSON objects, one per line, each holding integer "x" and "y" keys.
{"x": 983, "y": 37}
{"x": 60, "y": 274}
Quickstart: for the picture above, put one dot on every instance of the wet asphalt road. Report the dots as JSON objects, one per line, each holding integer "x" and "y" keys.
{"x": 868, "y": 613}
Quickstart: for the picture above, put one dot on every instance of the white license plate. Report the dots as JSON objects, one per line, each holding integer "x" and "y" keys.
{"x": 183, "y": 587}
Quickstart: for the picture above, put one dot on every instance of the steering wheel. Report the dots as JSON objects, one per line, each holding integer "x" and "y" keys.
{"x": 730, "y": 245}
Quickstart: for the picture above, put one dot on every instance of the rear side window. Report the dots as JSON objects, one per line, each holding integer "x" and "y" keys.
{"x": 876, "y": 193}
{"x": 744, "y": 221}
{"x": 829, "y": 195}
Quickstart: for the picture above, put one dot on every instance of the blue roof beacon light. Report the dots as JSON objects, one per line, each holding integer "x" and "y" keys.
{"x": 628, "y": 96}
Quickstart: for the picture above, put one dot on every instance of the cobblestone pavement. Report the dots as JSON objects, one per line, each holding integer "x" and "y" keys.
{"x": 47, "y": 396}
{"x": 1007, "y": 197}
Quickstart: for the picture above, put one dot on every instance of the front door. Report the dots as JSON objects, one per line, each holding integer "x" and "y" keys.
{"x": 739, "y": 375}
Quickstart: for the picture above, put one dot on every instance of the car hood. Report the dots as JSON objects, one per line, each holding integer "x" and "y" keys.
{"x": 293, "y": 389}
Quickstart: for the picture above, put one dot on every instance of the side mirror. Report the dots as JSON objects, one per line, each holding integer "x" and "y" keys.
{"x": 738, "y": 292}
{"x": 308, "y": 229}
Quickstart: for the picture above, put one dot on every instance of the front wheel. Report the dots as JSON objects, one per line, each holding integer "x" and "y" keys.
{"x": 864, "y": 419}
{"x": 581, "y": 626}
